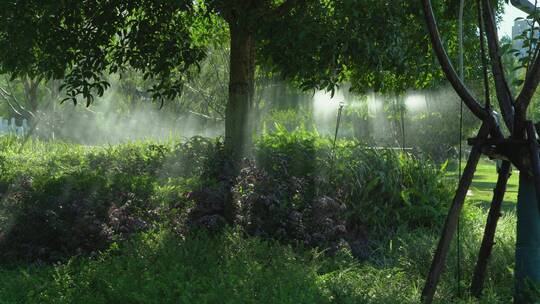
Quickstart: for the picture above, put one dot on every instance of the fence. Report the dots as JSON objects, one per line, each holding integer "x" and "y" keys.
{"x": 10, "y": 127}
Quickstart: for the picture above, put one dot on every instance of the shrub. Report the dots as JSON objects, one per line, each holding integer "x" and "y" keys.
{"x": 59, "y": 200}
{"x": 68, "y": 202}
{"x": 62, "y": 199}
{"x": 193, "y": 158}
{"x": 296, "y": 172}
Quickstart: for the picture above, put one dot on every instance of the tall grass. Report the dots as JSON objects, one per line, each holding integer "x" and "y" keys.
{"x": 160, "y": 267}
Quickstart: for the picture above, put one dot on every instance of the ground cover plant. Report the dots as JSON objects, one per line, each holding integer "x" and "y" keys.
{"x": 157, "y": 267}
{"x": 118, "y": 225}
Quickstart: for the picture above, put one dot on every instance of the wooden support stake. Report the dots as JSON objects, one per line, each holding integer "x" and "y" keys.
{"x": 535, "y": 158}
{"x": 451, "y": 220}
{"x": 477, "y": 284}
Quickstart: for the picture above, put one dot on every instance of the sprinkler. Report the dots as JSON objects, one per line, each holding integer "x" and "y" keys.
{"x": 340, "y": 110}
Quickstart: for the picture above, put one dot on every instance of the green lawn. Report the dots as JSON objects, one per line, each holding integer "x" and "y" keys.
{"x": 484, "y": 181}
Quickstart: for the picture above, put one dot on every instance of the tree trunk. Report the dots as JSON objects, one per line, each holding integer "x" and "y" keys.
{"x": 450, "y": 224}
{"x": 30, "y": 92}
{"x": 527, "y": 269}
{"x": 241, "y": 91}
{"x": 238, "y": 131}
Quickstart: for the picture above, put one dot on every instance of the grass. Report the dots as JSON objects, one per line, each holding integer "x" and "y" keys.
{"x": 160, "y": 267}
{"x": 485, "y": 178}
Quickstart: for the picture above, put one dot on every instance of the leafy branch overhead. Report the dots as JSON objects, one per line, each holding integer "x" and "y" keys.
{"x": 80, "y": 41}
{"x": 331, "y": 41}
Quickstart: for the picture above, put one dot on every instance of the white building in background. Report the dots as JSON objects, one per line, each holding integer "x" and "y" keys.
{"x": 517, "y": 29}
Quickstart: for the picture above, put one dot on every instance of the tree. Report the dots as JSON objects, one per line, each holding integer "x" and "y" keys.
{"x": 520, "y": 149}
{"x": 21, "y": 95}
{"x": 316, "y": 43}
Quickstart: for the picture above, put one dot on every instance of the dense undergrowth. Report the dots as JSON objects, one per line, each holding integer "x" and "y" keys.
{"x": 115, "y": 217}
{"x": 160, "y": 267}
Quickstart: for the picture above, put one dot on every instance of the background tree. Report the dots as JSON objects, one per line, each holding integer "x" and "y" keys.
{"x": 318, "y": 44}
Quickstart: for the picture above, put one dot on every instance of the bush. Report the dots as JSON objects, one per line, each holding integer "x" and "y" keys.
{"x": 277, "y": 208}
{"x": 194, "y": 158}
{"x": 369, "y": 191}
{"x": 60, "y": 200}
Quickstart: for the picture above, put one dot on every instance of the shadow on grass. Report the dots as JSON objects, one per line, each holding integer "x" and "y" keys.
{"x": 489, "y": 186}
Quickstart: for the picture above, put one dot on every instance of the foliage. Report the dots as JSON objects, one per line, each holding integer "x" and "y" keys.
{"x": 330, "y": 42}
{"x": 368, "y": 191}
{"x": 284, "y": 209}
{"x": 59, "y": 200}
{"x": 81, "y": 41}
{"x": 159, "y": 267}
{"x": 148, "y": 36}
{"x": 289, "y": 119}
{"x": 82, "y": 199}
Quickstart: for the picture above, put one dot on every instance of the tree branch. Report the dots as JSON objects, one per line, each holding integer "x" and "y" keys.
{"x": 447, "y": 67}
{"x": 529, "y": 87}
{"x": 501, "y": 85}
{"x": 483, "y": 56}
{"x": 7, "y": 96}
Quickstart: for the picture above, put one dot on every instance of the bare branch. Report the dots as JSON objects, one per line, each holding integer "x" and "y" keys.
{"x": 204, "y": 116}
{"x": 16, "y": 101}
{"x": 12, "y": 101}
{"x": 501, "y": 85}
{"x": 447, "y": 67}
{"x": 6, "y": 98}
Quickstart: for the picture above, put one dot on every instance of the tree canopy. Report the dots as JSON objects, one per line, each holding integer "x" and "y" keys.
{"x": 379, "y": 45}
{"x": 317, "y": 44}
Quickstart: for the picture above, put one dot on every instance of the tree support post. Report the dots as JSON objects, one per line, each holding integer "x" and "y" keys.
{"x": 450, "y": 224}
{"x": 477, "y": 284}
